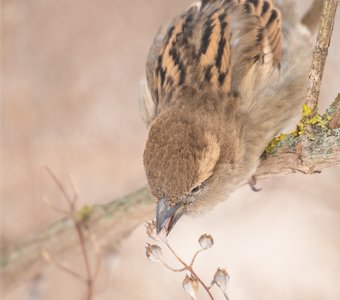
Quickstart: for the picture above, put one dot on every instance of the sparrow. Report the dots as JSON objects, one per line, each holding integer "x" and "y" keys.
{"x": 222, "y": 80}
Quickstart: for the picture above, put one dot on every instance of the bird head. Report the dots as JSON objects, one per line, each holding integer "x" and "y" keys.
{"x": 189, "y": 161}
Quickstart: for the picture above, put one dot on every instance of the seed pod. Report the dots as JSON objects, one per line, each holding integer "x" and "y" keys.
{"x": 154, "y": 253}
{"x": 150, "y": 227}
{"x": 191, "y": 285}
{"x": 221, "y": 279}
{"x": 206, "y": 241}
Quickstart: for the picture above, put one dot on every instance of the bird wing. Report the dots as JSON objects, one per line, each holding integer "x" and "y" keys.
{"x": 256, "y": 38}
{"x": 213, "y": 44}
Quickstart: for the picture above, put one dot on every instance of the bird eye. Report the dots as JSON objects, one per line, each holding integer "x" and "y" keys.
{"x": 196, "y": 189}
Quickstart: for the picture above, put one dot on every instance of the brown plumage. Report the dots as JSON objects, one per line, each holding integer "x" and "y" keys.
{"x": 222, "y": 81}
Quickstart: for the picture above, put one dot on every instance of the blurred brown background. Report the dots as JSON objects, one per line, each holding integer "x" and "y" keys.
{"x": 71, "y": 73}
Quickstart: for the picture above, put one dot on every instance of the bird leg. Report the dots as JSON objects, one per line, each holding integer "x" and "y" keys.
{"x": 252, "y": 184}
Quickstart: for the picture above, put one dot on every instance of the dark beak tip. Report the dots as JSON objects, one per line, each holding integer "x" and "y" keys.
{"x": 166, "y": 216}
{"x": 161, "y": 226}
{"x": 158, "y": 229}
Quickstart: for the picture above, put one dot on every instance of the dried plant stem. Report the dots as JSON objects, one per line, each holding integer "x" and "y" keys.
{"x": 96, "y": 272}
{"x": 225, "y": 296}
{"x": 194, "y": 257}
{"x": 172, "y": 269}
{"x": 201, "y": 282}
{"x": 61, "y": 188}
{"x": 89, "y": 281}
{"x": 67, "y": 270}
{"x": 190, "y": 269}
{"x": 320, "y": 53}
{"x": 71, "y": 201}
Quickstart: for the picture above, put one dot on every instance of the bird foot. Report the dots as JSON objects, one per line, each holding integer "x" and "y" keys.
{"x": 252, "y": 184}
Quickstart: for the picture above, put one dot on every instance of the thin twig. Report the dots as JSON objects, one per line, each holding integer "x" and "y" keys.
{"x": 89, "y": 280}
{"x": 320, "y": 53}
{"x": 97, "y": 268}
{"x": 201, "y": 282}
{"x": 98, "y": 256}
{"x": 86, "y": 259}
{"x": 61, "y": 188}
{"x": 74, "y": 189}
{"x": 51, "y": 206}
{"x": 49, "y": 259}
{"x": 190, "y": 269}
{"x": 175, "y": 254}
{"x": 69, "y": 271}
{"x": 225, "y": 296}
{"x": 170, "y": 268}
{"x": 194, "y": 257}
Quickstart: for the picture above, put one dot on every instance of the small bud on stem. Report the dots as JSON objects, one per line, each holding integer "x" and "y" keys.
{"x": 191, "y": 285}
{"x": 150, "y": 228}
{"x": 221, "y": 279}
{"x": 206, "y": 241}
{"x": 154, "y": 253}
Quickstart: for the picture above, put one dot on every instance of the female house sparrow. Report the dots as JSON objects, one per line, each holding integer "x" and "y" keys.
{"x": 222, "y": 81}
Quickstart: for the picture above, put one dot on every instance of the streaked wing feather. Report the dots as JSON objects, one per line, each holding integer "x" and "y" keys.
{"x": 213, "y": 44}
{"x": 148, "y": 100}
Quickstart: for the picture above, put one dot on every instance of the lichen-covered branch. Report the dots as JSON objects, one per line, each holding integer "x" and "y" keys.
{"x": 112, "y": 221}
{"x": 320, "y": 53}
{"x": 312, "y": 147}
{"x": 304, "y": 150}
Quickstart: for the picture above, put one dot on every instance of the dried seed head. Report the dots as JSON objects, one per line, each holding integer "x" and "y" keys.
{"x": 154, "y": 253}
{"x": 221, "y": 278}
{"x": 191, "y": 285}
{"x": 206, "y": 241}
{"x": 150, "y": 227}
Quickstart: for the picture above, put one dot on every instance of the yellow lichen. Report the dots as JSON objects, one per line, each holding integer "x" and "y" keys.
{"x": 271, "y": 147}
{"x": 309, "y": 118}
{"x": 306, "y": 111}
{"x": 84, "y": 213}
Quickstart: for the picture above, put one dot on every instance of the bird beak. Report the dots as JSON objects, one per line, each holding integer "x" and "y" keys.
{"x": 167, "y": 216}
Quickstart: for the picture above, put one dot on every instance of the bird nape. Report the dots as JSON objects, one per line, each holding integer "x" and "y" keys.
{"x": 221, "y": 82}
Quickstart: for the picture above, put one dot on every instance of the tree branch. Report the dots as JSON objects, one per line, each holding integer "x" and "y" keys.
{"x": 320, "y": 52}
{"x": 114, "y": 220}
{"x": 314, "y": 146}
{"x": 307, "y": 152}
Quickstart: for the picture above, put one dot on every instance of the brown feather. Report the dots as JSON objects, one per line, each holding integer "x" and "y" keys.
{"x": 222, "y": 80}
